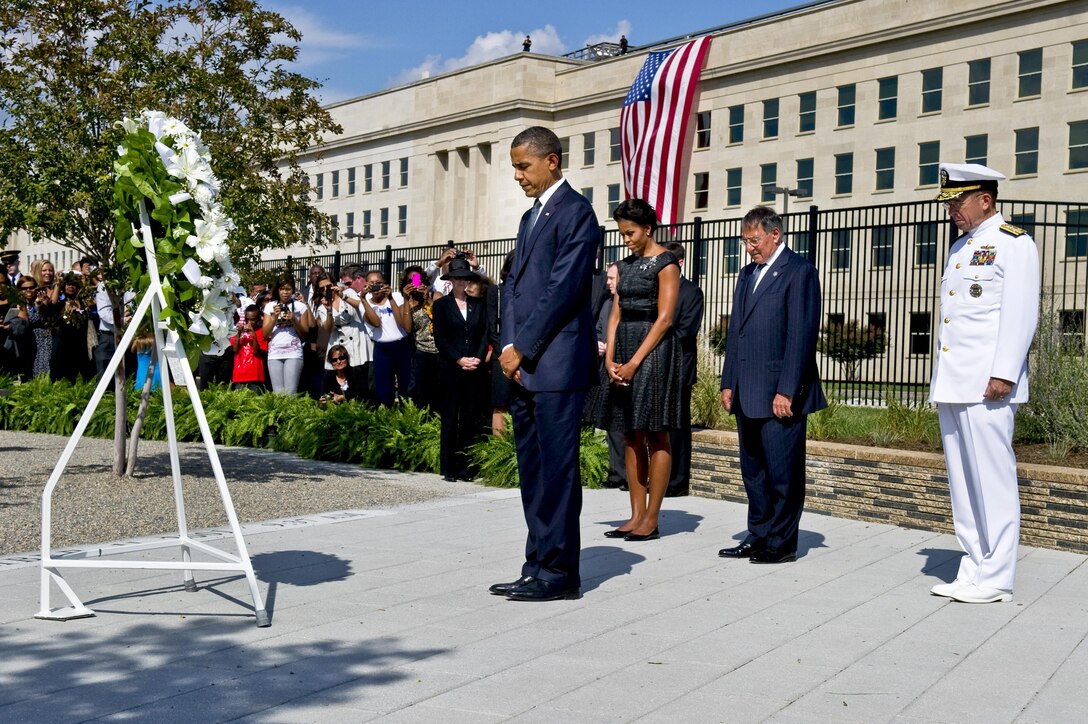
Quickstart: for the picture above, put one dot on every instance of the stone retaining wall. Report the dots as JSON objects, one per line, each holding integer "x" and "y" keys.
{"x": 900, "y": 487}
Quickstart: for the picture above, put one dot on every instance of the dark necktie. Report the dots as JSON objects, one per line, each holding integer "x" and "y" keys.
{"x": 533, "y": 216}
{"x": 755, "y": 278}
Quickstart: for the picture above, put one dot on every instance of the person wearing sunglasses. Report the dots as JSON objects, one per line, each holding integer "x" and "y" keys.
{"x": 344, "y": 382}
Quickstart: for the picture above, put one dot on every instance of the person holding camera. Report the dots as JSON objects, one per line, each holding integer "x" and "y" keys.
{"x": 423, "y": 387}
{"x": 388, "y": 321}
{"x": 250, "y": 350}
{"x": 442, "y": 286}
{"x": 287, "y": 321}
{"x": 343, "y": 382}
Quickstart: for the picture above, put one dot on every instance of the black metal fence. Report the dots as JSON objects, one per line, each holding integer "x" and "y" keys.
{"x": 880, "y": 266}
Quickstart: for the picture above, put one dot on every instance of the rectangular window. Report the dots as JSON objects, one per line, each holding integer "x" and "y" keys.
{"x": 768, "y": 179}
{"x": 770, "y": 118}
{"x": 883, "y": 246}
{"x": 335, "y": 228}
{"x": 847, "y": 98}
{"x": 929, "y": 160}
{"x": 836, "y": 319}
{"x": 386, "y": 167}
{"x": 614, "y": 151}
{"x": 1078, "y": 145}
{"x": 736, "y": 124}
{"x": 613, "y": 198}
{"x": 351, "y": 181}
{"x": 1025, "y": 222}
{"x": 368, "y": 178}
{"x": 402, "y": 220}
{"x": 366, "y": 224}
{"x": 919, "y": 332}
{"x": 1030, "y": 74}
{"x": 932, "y": 86}
{"x": 1027, "y": 151}
{"x": 732, "y": 255}
{"x": 978, "y": 82}
{"x": 383, "y": 222}
{"x": 702, "y": 130}
{"x": 702, "y": 190}
{"x": 319, "y": 186}
{"x": 840, "y": 249}
{"x": 589, "y": 148}
{"x": 806, "y": 123}
{"x": 925, "y": 243}
{"x": 732, "y": 187}
{"x": 804, "y": 178}
{"x": 404, "y": 173}
{"x": 1080, "y": 64}
{"x": 334, "y": 184}
{"x": 564, "y": 152}
{"x": 349, "y": 223}
{"x": 588, "y": 193}
{"x": 888, "y": 103}
{"x": 878, "y": 322}
{"x": 976, "y": 149}
{"x": 1071, "y": 328}
{"x": 844, "y": 173}
{"x": 885, "y": 169}
{"x": 1076, "y": 234}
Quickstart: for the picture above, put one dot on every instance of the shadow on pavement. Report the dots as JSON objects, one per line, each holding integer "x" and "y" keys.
{"x": 599, "y": 563}
{"x": 941, "y": 562}
{"x": 296, "y": 568}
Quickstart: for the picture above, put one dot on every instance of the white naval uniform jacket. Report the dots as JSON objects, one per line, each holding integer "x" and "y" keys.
{"x": 989, "y": 311}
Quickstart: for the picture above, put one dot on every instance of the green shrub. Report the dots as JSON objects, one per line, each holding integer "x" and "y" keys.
{"x": 901, "y": 422}
{"x": 496, "y": 458}
{"x": 1056, "y": 412}
{"x": 827, "y": 423}
{"x": 706, "y": 395}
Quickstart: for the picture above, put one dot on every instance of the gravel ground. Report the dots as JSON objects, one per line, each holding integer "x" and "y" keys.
{"x": 91, "y": 505}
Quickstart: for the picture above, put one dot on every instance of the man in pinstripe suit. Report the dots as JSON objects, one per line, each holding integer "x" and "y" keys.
{"x": 770, "y": 382}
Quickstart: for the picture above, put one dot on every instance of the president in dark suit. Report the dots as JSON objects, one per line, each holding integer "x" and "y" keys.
{"x": 770, "y": 382}
{"x": 549, "y": 349}
{"x": 686, "y": 321}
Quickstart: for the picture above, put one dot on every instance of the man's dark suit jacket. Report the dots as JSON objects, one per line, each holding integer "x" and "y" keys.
{"x": 686, "y": 322}
{"x": 771, "y": 346}
{"x": 546, "y": 310}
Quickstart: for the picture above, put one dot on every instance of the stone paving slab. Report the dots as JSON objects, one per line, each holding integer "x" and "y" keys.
{"x": 387, "y": 617}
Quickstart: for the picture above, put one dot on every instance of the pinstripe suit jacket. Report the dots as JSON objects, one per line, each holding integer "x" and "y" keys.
{"x": 771, "y": 347}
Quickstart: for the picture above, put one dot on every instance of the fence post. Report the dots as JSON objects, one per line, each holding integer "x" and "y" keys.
{"x": 289, "y": 270}
{"x": 694, "y": 265}
{"x": 336, "y": 266}
{"x": 387, "y": 263}
{"x": 813, "y": 226}
{"x": 600, "y": 250}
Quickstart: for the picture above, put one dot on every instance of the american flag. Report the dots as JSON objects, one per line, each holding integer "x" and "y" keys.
{"x": 654, "y": 122}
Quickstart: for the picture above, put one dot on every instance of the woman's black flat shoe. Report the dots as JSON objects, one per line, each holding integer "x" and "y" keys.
{"x": 617, "y": 533}
{"x": 635, "y": 537}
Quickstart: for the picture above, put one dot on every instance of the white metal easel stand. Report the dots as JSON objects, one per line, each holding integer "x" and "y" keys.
{"x": 169, "y": 346}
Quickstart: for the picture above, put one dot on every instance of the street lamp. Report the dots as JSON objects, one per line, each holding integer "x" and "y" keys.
{"x": 786, "y": 194}
{"x": 358, "y": 239}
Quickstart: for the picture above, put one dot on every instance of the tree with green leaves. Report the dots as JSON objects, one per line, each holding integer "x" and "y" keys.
{"x": 70, "y": 70}
{"x": 849, "y": 344}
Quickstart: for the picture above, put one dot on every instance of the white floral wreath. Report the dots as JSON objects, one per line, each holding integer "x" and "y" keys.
{"x": 164, "y": 163}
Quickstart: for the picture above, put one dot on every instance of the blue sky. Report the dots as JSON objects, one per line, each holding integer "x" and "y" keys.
{"x": 355, "y": 48}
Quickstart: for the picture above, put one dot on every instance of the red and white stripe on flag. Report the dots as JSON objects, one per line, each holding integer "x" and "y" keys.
{"x": 654, "y": 123}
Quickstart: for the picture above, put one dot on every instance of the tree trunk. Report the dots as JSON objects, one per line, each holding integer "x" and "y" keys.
{"x": 120, "y": 407}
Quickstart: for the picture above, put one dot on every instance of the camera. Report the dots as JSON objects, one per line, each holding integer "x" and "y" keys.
{"x": 375, "y": 287}
{"x": 459, "y": 254}
{"x": 328, "y": 294}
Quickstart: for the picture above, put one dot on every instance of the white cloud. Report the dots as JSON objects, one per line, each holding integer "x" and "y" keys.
{"x": 623, "y": 27}
{"x": 320, "y": 43}
{"x": 495, "y": 44}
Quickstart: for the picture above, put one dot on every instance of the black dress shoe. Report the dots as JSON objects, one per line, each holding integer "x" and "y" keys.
{"x": 773, "y": 555}
{"x": 654, "y": 535}
{"x": 538, "y": 590}
{"x": 616, "y": 533}
{"x": 744, "y": 550}
{"x": 501, "y": 589}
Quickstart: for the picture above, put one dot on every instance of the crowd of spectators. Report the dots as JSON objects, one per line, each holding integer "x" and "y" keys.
{"x": 350, "y": 336}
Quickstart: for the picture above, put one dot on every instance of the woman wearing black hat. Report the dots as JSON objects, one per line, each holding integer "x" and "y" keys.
{"x": 460, "y": 334}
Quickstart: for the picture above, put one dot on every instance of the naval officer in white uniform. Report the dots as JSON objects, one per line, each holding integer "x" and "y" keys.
{"x": 989, "y": 311}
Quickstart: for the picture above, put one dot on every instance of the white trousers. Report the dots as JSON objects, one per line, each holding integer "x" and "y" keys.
{"x": 985, "y": 496}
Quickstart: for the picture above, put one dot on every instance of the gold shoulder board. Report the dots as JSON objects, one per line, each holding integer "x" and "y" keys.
{"x": 1012, "y": 230}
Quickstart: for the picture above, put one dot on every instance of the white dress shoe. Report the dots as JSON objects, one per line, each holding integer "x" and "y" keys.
{"x": 970, "y": 593}
{"x": 946, "y": 589}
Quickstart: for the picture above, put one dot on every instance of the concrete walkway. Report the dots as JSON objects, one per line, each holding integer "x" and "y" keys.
{"x": 386, "y": 616}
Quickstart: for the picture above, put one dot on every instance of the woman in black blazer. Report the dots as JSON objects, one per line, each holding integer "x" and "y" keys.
{"x": 461, "y": 336}
{"x": 344, "y": 382}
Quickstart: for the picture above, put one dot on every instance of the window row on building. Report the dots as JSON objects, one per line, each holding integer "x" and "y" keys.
{"x": 1025, "y": 162}
{"x": 367, "y": 225}
{"x": 342, "y": 182}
